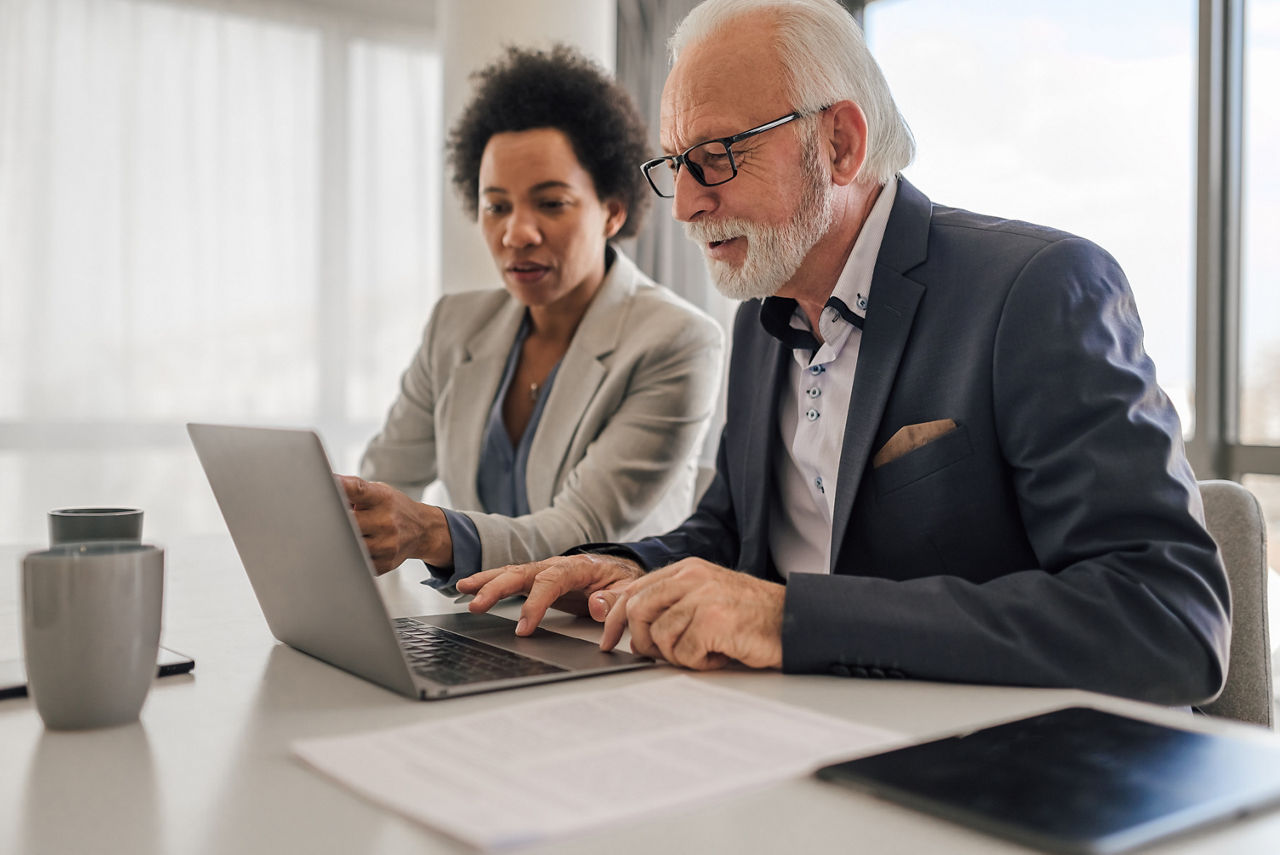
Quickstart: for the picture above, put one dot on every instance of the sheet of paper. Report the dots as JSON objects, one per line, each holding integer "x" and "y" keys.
{"x": 534, "y": 770}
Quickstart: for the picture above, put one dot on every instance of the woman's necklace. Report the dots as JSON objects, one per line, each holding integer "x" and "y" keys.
{"x": 533, "y": 392}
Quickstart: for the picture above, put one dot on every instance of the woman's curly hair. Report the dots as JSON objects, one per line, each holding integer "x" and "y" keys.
{"x": 561, "y": 89}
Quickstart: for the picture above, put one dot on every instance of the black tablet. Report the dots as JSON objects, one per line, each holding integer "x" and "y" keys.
{"x": 1076, "y": 780}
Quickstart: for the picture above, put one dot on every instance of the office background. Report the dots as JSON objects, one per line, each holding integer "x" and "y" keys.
{"x": 234, "y": 210}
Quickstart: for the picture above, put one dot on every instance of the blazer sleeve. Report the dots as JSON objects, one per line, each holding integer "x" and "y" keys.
{"x": 640, "y": 452}
{"x": 403, "y": 453}
{"x": 1128, "y": 596}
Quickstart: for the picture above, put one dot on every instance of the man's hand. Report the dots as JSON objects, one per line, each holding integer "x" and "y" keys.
{"x": 572, "y": 583}
{"x": 701, "y": 616}
{"x": 395, "y": 527}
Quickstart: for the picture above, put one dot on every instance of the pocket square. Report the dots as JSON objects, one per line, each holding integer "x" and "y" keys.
{"x": 911, "y": 437}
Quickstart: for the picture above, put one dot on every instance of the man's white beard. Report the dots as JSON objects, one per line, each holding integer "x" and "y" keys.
{"x": 774, "y": 254}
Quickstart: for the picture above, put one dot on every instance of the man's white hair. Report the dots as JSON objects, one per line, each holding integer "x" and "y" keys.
{"x": 826, "y": 60}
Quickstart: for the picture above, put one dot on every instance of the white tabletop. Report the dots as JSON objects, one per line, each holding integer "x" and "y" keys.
{"x": 208, "y": 768}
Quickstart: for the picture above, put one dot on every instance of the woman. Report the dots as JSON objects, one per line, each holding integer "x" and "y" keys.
{"x": 568, "y": 406}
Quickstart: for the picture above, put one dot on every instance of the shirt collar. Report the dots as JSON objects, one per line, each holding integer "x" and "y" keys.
{"x": 850, "y": 298}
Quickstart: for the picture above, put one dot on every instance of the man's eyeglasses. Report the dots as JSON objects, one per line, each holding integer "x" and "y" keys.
{"x": 710, "y": 163}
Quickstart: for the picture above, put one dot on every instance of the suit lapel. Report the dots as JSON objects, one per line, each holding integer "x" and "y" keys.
{"x": 763, "y": 442}
{"x": 582, "y": 371}
{"x": 894, "y": 300}
{"x": 471, "y": 389}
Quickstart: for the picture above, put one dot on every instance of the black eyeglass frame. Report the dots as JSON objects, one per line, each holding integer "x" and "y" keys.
{"x": 682, "y": 159}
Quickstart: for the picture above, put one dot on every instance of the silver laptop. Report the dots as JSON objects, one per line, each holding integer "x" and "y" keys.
{"x": 307, "y": 561}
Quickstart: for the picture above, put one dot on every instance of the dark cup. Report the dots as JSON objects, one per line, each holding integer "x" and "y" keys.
{"x": 77, "y": 525}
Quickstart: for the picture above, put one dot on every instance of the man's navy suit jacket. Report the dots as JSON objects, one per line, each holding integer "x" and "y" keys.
{"x": 1053, "y": 538}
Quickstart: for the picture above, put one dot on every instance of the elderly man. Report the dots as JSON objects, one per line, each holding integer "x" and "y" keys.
{"x": 945, "y": 456}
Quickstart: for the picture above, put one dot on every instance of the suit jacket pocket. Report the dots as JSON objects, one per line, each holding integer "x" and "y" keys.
{"x": 921, "y": 462}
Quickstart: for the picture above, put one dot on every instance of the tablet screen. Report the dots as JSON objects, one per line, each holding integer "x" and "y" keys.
{"x": 1076, "y": 780}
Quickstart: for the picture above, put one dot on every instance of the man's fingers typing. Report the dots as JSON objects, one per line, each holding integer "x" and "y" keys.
{"x": 555, "y": 581}
{"x": 474, "y": 582}
{"x": 688, "y": 638}
{"x": 615, "y": 623}
{"x": 601, "y": 603}
{"x": 504, "y": 585}
{"x": 501, "y": 582}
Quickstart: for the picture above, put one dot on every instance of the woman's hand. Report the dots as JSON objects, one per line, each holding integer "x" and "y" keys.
{"x": 395, "y": 527}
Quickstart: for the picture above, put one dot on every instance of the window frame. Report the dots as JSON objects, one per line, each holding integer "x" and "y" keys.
{"x": 1215, "y": 449}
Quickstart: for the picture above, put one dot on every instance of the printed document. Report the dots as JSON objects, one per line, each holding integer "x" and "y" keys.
{"x": 531, "y": 771}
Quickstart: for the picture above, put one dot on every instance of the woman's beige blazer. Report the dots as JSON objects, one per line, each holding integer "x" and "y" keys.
{"x": 615, "y": 454}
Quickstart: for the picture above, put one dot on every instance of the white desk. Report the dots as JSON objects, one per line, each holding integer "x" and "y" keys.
{"x": 208, "y": 768}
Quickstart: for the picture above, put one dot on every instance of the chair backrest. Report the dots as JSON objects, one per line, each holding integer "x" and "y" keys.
{"x": 1234, "y": 519}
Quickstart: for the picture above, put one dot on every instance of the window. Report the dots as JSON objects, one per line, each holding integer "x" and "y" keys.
{"x": 205, "y": 214}
{"x": 1054, "y": 113}
{"x": 1260, "y": 267}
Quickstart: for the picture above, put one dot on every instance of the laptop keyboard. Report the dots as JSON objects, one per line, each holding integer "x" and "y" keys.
{"x": 455, "y": 660}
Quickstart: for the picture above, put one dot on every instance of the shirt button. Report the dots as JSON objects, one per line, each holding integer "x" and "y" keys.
{"x": 811, "y": 414}
{"x": 816, "y": 369}
{"x": 813, "y": 392}
{"x": 817, "y": 482}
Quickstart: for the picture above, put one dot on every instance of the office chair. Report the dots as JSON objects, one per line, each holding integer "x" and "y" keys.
{"x": 1234, "y": 519}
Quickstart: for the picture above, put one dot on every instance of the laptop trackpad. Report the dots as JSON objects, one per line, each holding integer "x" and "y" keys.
{"x": 566, "y": 651}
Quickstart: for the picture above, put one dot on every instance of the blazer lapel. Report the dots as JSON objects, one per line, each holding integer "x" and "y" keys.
{"x": 471, "y": 388}
{"x": 577, "y": 380}
{"x": 894, "y": 299}
{"x": 762, "y": 445}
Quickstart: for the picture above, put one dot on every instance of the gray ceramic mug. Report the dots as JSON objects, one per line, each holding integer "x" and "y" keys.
{"x": 90, "y": 630}
{"x": 75, "y": 525}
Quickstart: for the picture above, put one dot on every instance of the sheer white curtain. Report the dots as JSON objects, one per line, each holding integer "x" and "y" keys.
{"x": 208, "y": 211}
{"x": 661, "y": 249}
